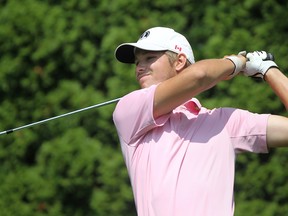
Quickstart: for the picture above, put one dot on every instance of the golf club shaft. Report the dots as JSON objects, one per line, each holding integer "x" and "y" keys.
{"x": 61, "y": 116}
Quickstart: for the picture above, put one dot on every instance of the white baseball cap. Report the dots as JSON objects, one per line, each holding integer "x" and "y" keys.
{"x": 156, "y": 39}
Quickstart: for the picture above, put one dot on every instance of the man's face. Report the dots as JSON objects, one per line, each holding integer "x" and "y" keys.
{"x": 153, "y": 67}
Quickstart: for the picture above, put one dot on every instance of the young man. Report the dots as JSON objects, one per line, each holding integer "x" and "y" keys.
{"x": 181, "y": 156}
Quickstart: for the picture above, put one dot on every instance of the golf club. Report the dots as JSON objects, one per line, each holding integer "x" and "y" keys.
{"x": 60, "y": 116}
{"x": 269, "y": 56}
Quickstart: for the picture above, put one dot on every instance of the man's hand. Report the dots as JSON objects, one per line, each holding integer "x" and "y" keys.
{"x": 257, "y": 64}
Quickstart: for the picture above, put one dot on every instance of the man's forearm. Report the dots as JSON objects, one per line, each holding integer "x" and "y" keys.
{"x": 279, "y": 83}
{"x": 190, "y": 82}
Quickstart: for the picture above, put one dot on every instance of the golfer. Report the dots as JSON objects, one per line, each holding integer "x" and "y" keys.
{"x": 180, "y": 155}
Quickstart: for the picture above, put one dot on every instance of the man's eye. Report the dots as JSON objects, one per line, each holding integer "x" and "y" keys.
{"x": 151, "y": 57}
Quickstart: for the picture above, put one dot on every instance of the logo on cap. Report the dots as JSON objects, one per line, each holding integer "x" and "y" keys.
{"x": 178, "y": 48}
{"x": 145, "y": 35}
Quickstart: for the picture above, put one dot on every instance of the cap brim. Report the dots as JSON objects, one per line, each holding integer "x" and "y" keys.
{"x": 125, "y": 52}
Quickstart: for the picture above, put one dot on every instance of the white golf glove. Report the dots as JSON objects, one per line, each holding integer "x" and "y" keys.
{"x": 258, "y": 63}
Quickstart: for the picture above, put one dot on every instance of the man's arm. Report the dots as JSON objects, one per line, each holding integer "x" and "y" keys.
{"x": 279, "y": 83}
{"x": 277, "y": 129}
{"x": 191, "y": 81}
{"x": 258, "y": 66}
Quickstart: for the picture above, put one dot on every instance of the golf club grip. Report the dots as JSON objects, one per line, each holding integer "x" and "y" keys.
{"x": 270, "y": 56}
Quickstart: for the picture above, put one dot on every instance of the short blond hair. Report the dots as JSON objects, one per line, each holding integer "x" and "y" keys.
{"x": 172, "y": 56}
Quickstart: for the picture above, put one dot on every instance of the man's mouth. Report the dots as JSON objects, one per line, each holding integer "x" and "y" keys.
{"x": 140, "y": 75}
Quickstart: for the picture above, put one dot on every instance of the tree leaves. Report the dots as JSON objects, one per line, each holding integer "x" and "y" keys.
{"x": 58, "y": 56}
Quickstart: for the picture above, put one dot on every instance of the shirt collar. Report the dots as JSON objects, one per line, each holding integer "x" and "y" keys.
{"x": 193, "y": 105}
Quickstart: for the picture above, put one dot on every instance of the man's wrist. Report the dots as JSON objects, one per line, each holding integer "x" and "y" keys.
{"x": 270, "y": 72}
{"x": 238, "y": 64}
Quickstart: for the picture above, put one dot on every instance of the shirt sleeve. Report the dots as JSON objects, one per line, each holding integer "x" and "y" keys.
{"x": 133, "y": 115}
{"x": 248, "y": 131}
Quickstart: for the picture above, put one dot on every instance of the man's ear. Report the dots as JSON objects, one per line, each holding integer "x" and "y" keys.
{"x": 181, "y": 62}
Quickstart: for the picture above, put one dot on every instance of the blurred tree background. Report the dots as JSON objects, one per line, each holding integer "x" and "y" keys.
{"x": 58, "y": 56}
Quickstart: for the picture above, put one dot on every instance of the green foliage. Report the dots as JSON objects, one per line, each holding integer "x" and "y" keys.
{"x": 57, "y": 56}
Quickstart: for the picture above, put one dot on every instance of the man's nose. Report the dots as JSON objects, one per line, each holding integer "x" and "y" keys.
{"x": 140, "y": 68}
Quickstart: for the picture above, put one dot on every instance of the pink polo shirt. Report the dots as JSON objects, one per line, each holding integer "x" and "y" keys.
{"x": 183, "y": 163}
